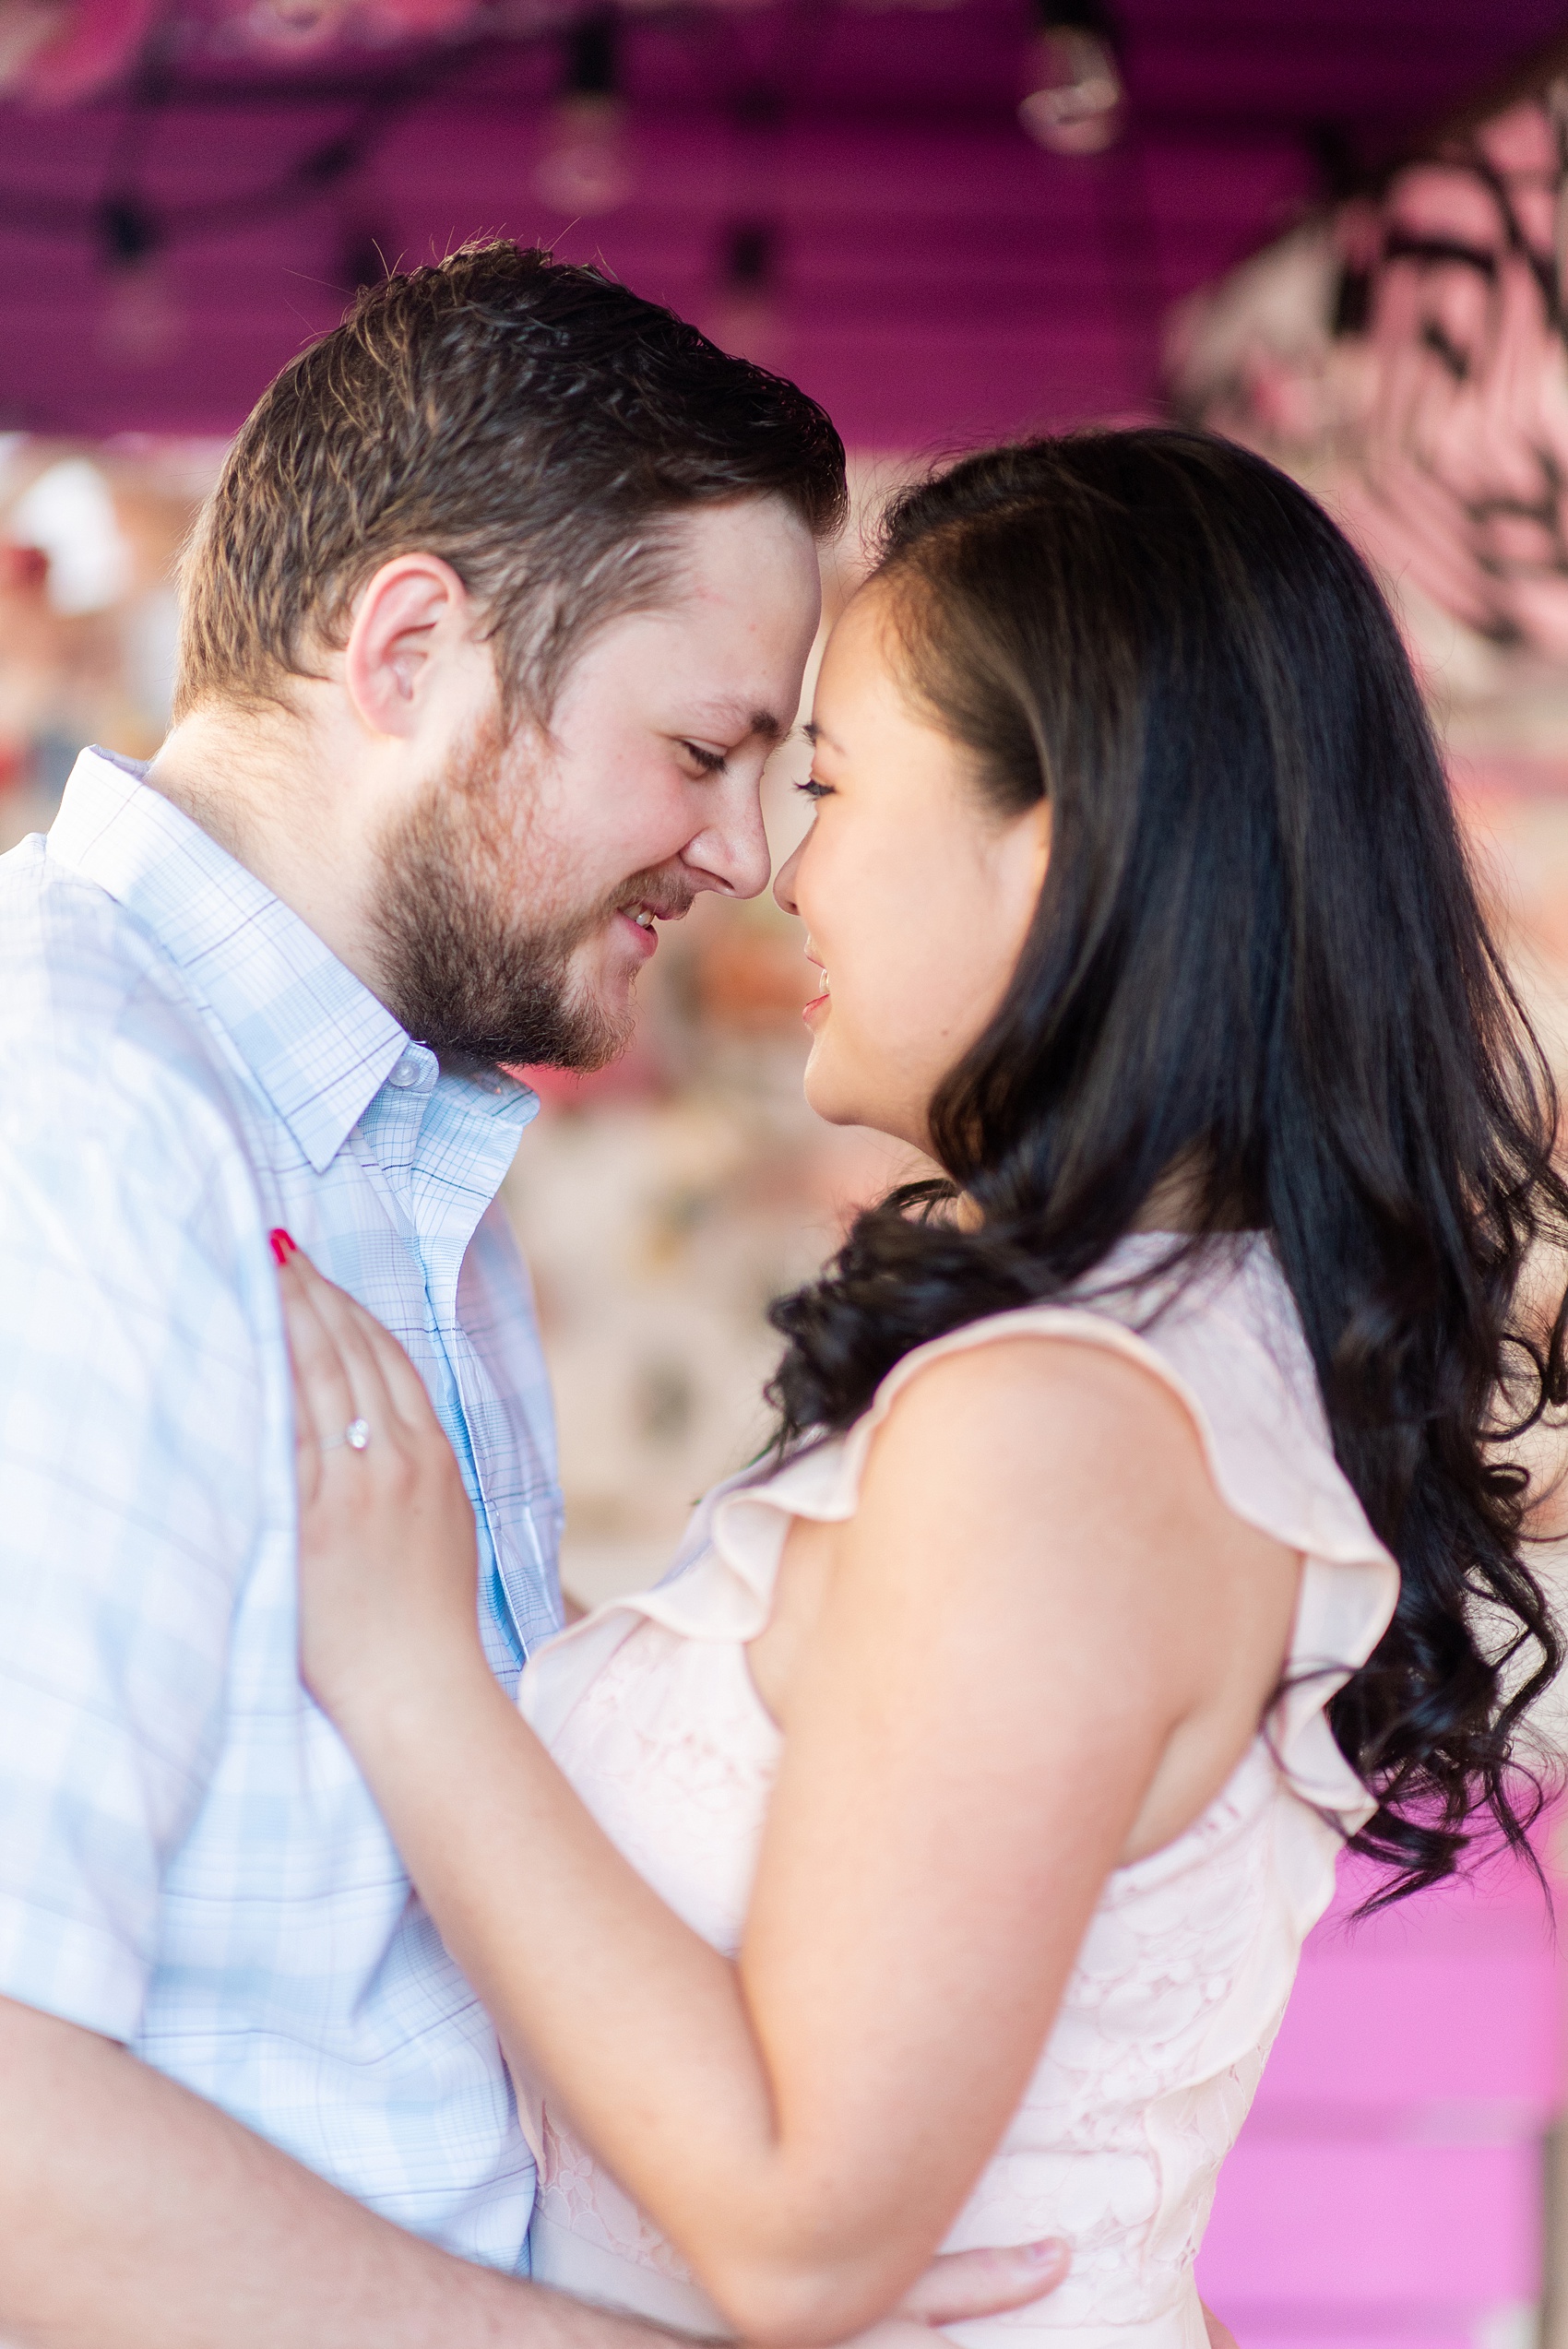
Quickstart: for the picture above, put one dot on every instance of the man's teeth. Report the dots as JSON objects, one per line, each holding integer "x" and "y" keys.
{"x": 644, "y": 920}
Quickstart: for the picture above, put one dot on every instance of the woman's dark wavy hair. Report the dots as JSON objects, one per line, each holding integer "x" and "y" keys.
{"x": 1257, "y": 957}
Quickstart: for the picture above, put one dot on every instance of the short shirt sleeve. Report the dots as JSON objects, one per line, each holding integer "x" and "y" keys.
{"x": 130, "y": 1447}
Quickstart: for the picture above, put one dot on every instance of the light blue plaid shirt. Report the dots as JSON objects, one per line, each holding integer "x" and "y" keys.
{"x": 189, "y": 1861}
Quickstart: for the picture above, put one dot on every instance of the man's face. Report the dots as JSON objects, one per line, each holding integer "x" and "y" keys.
{"x": 518, "y": 898}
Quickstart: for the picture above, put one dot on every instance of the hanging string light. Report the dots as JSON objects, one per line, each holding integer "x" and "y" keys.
{"x": 585, "y": 167}
{"x": 56, "y": 52}
{"x": 750, "y": 321}
{"x": 142, "y": 322}
{"x": 297, "y": 27}
{"x": 1076, "y": 100}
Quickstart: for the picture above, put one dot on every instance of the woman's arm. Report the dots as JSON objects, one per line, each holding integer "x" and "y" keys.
{"x": 1026, "y": 1621}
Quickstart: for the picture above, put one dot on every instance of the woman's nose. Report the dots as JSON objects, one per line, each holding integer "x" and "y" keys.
{"x": 784, "y": 884}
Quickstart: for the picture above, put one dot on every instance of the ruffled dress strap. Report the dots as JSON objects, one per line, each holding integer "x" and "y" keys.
{"x": 702, "y": 1596}
{"x": 1228, "y": 1344}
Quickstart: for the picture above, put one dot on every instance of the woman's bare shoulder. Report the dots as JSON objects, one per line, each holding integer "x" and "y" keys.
{"x": 1019, "y": 1397}
{"x": 1051, "y": 1497}
{"x": 1039, "y": 1446}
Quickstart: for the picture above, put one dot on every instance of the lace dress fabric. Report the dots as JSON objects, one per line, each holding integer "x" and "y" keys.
{"x": 1184, "y": 1975}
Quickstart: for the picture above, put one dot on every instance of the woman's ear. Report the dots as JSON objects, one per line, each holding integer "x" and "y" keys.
{"x": 1039, "y": 820}
{"x": 1025, "y": 852}
{"x": 412, "y": 617}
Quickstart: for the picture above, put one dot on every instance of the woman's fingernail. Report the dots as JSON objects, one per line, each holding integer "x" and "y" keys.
{"x": 283, "y": 1247}
{"x": 1046, "y": 2253}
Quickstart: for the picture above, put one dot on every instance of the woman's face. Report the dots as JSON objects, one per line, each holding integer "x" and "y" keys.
{"x": 915, "y": 893}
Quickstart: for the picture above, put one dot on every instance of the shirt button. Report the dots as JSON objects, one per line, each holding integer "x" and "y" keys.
{"x": 404, "y": 1072}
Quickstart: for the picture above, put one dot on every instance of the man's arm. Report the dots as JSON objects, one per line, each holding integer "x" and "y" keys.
{"x": 134, "y": 2215}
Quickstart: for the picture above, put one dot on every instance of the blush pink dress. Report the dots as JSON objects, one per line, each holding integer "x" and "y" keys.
{"x": 649, "y": 1707}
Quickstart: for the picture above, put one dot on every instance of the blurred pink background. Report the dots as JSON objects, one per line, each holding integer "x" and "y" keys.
{"x": 1332, "y": 229}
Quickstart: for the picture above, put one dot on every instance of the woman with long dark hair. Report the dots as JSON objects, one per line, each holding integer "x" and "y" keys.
{"x": 927, "y": 1859}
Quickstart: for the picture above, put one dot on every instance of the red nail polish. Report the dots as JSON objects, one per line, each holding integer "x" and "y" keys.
{"x": 283, "y": 1247}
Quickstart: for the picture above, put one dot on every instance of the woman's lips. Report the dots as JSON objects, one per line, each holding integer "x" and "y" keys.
{"x": 818, "y": 1004}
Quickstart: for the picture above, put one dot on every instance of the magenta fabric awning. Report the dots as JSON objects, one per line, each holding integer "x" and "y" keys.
{"x": 924, "y": 268}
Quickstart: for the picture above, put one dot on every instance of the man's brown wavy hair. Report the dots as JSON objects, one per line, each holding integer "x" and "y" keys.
{"x": 532, "y": 423}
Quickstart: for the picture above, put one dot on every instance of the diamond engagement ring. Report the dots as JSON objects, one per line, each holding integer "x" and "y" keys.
{"x": 356, "y": 1435}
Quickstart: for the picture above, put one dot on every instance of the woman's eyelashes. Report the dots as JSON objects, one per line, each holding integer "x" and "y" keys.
{"x": 814, "y": 790}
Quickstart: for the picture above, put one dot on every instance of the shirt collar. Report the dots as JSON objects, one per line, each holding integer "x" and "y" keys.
{"x": 317, "y": 1042}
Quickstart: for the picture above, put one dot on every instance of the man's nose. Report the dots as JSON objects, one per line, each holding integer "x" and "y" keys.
{"x": 731, "y": 852}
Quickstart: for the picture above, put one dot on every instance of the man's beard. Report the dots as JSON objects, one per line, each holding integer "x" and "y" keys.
{"x": 462, "y": 972}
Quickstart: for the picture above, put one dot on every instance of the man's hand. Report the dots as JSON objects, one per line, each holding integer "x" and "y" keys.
{"x": 962, "y": 2284}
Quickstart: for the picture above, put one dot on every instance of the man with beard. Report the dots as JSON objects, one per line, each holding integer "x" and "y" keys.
{"x": 504, "y": 596}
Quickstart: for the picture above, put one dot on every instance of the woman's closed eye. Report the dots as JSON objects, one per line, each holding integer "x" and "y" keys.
{"x": 815, "y": 790}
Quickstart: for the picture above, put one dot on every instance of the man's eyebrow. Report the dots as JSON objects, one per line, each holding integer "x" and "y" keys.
{"x": 722, "y": 716}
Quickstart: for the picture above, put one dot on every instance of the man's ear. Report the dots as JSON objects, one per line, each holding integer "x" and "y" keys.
{"x": 411, "y": 615}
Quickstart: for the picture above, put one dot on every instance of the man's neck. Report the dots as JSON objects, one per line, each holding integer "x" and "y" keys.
{"x": 250, "y": 780}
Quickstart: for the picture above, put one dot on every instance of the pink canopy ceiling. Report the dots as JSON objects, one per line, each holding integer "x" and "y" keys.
{"x": 844, "y": 189}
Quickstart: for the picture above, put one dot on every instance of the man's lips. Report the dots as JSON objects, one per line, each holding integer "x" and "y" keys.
{"x": 642, "y": 936}
{"x": 651, "y": 910}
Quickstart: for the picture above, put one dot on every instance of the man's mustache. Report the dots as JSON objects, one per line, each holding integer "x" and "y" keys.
{"x": 660, "y": 893}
